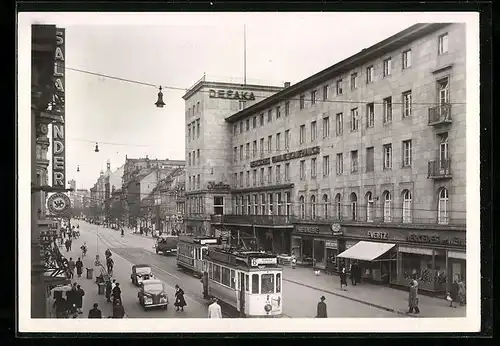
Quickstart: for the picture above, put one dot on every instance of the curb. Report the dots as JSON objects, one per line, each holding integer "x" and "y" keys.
{"x": 396, "y": 311}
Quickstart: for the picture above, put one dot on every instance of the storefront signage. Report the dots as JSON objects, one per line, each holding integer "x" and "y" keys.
{"x": 261, "y": 261}
{"x": 331, "y": 244}
{"x": 435, "y": 239}
{"x": 336, "y": 230}
{"x": 296, "y": 154}
{"x": 58, "y": 108}
{"x": 378, "y": 235}
{"x": 260, "y": 162}
{"x": 308, "y": 229}
{"x": 217, "y": 186}
{"x": 232, "y": 95}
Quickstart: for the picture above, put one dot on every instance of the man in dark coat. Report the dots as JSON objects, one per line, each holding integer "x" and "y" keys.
{"x": 118, "y": 310}
{"x": 322, "y": 308}
{"x": 454, "y": 293}
{"x": 72, "y": 297}
{"x": 79, "y": 298}
{"x": 79, "y": 267}
{"x": 95, "y": 312}
{"x": 180, "y": 302}
{"x": 117, "y": 293}
{"x": 204, "y": 281}
{"x": 109, "y": 288}
{"x": 355, "y": 271}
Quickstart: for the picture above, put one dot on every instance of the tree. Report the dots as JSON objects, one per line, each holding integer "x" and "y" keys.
{"x": 116, "y": 210}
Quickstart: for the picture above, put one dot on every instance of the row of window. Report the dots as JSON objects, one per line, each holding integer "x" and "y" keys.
{"x": 194, "y": 158}
{"x": 191, "y": 110}
{"x": 406, "y": 62}
{"x": 263, "y": 179}
{"x": 194, "y": 182}
{"x": 194, "y": 130}
{"x": 260, "y": 284}
{"x": 280, "y": 204}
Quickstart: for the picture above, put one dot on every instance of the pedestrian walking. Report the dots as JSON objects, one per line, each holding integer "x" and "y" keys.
{"x": 321, "y": 310}
{"x": 204, "y": 281}
{"x": 355, "y": 271}
{"x": 454, "y": 293}
{"x": 109, "y": 289}
{"x": 95, "y": 312}
{"x": 79, "y": 298}
{"x": 214, "y": 309}
{"x": 343, "y": 279}
{"x": 60, "y": 305}
{"x": 71, "y": 267}
{"x": 84, "y": 249}
{"x": 110, "y": 264}
{"x": 117, "y": 292}
{"x": 72, "y": 298}
{"x": 461, "y": 291}
{"x": 413, "y": 297}
{"x": 118, "y": 309}
{"x": 66, "y": 243}
{"x": 294, "y": 262}
{"x": 79, "y": 267}
{"x": 180, "y": 302}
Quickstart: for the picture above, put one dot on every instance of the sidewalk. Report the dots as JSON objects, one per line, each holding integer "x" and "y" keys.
{"x": 89, "y": 286}
{"x": 381, "y": 297}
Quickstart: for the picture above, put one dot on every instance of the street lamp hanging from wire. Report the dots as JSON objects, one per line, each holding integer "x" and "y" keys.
{"x": 96, "y": 147}
{"x": 159, "y": 103}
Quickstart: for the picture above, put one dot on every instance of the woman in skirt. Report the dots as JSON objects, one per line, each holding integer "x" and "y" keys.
{"x": 180, "y": 302}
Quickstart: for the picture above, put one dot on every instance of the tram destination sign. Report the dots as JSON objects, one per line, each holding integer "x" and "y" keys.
{"x": 262, "y": 261}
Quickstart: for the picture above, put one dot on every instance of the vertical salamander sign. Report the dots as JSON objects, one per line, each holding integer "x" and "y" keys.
{"x": 58, "y": 129}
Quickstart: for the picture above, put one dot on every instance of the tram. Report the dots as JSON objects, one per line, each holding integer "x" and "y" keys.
{"x": 191, "y": 252}
{"x": 248, "y": 281}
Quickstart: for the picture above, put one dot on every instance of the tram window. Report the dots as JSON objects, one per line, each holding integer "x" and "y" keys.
{"x": 226, "y": 276}
{"x": 246, "y": 282}
{"x": 255, "y": 283}
{"x": 216, "y": 273}
{"x": 210, "y": 271}
{"x": 233, "y": 280}
{"x": 278, "y": 283}
{"x": 267, "y": 283}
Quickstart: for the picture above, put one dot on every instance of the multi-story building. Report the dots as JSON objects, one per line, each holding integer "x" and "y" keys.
{"x": 367, "y": 155}
{"x": 208, "y": 145}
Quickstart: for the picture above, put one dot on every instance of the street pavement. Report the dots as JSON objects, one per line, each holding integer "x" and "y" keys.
{"x": 299, "y": 300}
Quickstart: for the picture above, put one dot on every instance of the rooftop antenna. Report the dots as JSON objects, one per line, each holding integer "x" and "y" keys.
{"x": 244, "y": 54}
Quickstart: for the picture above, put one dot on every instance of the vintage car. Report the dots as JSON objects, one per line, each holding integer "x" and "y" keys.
{"x": 152, "y": 294}
{"x": 167, "y": 245}
{"x": 141, "y": 272}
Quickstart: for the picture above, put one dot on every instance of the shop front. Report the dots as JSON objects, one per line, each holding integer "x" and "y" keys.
{"x": 316, "y": 245}
{"x": 396, "y": 256}
{"x": 274, "y": 240}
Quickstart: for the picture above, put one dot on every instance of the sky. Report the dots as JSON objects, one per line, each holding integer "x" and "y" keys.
{"x": 176, "y": 49}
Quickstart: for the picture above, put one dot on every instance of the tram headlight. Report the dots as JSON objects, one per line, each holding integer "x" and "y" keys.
{"x": 268, "y": 308}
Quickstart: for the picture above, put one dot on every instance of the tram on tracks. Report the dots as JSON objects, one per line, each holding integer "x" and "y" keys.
{"x": 248, "y": 281}
{"x": 191, "y": 252}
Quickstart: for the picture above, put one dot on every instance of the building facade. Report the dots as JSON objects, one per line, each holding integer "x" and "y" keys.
{"x": 371, "y": 148}
{"x": 208, "y": 146}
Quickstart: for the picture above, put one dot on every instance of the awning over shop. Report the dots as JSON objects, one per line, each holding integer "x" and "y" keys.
{"x": 366, "y": 251}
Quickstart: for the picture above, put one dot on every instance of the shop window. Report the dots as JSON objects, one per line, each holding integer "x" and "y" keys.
{"x": 246, "y": 282}
{"x": 278, "y": 283}
{"x": 325, "y": 206}
{"x": 226, "y": 276}
{"x": 319, "y": 253}
{"x": 233, "y": 279}
{"x": 313, "y": 206}
{"x": 218, "y": 205}
{"x": 255, "y": 283}
{"x": 443, "y": 207}
{"x": 302, "y": 205}
{"x": 296, "y": 247}
{"x": 354, "y": 205}
{"x": 369, "y": 207}
{"x": 387, "y": 206}
{"x": 210, "y": 271}
{"x": 216, "y": 276}
{"x": 267, "y": 283}
{"x": 406, "y": 206}
{"x": 338, "y": 206}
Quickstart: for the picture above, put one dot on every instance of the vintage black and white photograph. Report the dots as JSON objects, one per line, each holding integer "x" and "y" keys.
{"x": 286, "y": 171}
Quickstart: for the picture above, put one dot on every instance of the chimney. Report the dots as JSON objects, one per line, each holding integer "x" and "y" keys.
{"x": 287, "y": 84}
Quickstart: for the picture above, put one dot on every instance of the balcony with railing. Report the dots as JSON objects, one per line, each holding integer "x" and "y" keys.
{"x": 253, "y": 220}
{"x": 439, "y": 169}
{"x": 440, "y": 114}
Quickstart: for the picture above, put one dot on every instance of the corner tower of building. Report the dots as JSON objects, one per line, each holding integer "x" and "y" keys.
{"x": 208, "y": 145}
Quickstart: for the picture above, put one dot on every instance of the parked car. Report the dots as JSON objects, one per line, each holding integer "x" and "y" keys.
{"x": 141, "y": 272}
{"x": 167, "y": 245}
{"x": 152, "y": 294}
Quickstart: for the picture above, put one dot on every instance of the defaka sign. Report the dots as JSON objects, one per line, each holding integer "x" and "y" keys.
{"x": 58, "y": 129}
{"x": 232, "y": 95}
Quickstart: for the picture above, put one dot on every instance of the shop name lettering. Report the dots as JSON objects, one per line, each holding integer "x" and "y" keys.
{"x": 378, "y": 235}
{"x": 286, "y": 157}
{"x": 435, "y": 239}
{"x": 58, "y": 130}
{"x": 314, "y": 230}
{"x": 231, "y": 94}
